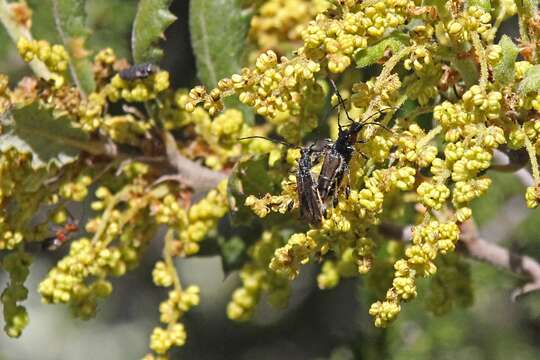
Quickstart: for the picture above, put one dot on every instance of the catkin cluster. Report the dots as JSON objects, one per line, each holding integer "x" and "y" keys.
{"x": 437, "y": 98}
{"x": 442, "y": 169}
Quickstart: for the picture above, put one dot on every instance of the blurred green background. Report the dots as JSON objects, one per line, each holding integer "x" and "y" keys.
{"x": 318, "y": 324}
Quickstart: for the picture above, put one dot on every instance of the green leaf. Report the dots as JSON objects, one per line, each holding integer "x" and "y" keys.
{"x": 504, "y": 71}
{"x": 153, "y": 17}
{"x": 250, "y": 177}
{"x": 531, "y": 81}
{"x": 483, "y": 4}
{"x": 218, "y": 34}
{"x": 70, "y": 20}
{"x": 219, "y": 31}
{"x": 395, "y": 42}
{"x": 442, "y": 10}
{"x": 467, "y": 69}
{"x": 51, "y": 141}
{"x": 233, "y": 253}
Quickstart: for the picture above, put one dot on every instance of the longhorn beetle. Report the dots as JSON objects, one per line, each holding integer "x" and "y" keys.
{"x": 312, "y": 208}
{"x": 337, "y": 158}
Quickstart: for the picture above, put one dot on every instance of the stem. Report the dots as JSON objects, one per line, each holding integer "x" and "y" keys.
{"x": 167, "y": 256}
{"x": 190, "y": 173}
{"x": 390, "y": 64}
{"x": 397, "y": 105}
{"x": 513, "y": 162}
{"x": 481, "y": 52}
{"x": 477, "y": 248}
{"x": 430, "y": 136}
{"x": 498, "y": 20}
{"x": 498, "y": 256}
{"x": 107, "y": 214}
{"x": 534, "y": 162}
{"x": 524, "y": 14}
{"x": 17, "y": 31}
{"x": 379, "y": 83}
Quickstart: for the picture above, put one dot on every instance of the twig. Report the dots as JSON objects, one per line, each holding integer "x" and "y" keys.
{"x": 496, "y": 255}
{"x": 398, "y": 232}
{"x": 514, "y": 162}
{"x": 190, "y": 173}
{"x": 477, "y": 248}
{"x": 501, "y": 226}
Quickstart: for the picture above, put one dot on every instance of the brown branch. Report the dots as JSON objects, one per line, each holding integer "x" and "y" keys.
{"x": 174, "y": 166}
{"x": 513, "y": 161}
{"x": 397, "y": 232}
{"x": 509, "y": 216}
{"x": 189, "y": 172}
{"x": 473, "y": 246}
{"x": 496, "y": 255}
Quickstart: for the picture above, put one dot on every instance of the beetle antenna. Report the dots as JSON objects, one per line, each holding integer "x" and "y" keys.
{"x": 380, "y": 111}
{"x": 341, "y": 102}
{"x": 277, "y": 141}
{"x": 378, "y": 124}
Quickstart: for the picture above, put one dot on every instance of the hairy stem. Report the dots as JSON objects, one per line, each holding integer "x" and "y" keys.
{"x": 534, "y": 162}
{"x": 429, "y": 136}
{"x": 481, "y": 52}
{"x": 107, "y": 214}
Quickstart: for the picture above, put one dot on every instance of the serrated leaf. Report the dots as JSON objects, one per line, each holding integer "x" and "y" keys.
{"x": 70, "y": 19}
{"x": 395, "y": 42}
{"x": 218, "y": 34}
{"x": 219, "y": 31}
{"x": 504, "y": 71}
{"x": 531, "y": 81}
{"x": 152, "y": 19}
{"x": 33, "y": 130}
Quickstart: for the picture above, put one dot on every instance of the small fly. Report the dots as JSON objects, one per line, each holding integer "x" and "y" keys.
{"x": 61, "y": 236}
{"x": 138, "y": 72}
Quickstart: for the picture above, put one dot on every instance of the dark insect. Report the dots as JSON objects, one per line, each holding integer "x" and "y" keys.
{"x": 139, "y": 71}
{"x": 338, "y": 157}
{"x": 312, "y": 209}
{"x": 60, "y": 237}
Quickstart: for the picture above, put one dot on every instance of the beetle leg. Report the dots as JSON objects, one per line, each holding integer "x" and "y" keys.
{"x": 290, "y": 205}
{"x": 335, "y": 199}
{"x": 363, "y": 155}
{"x": 348, "y": 186}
